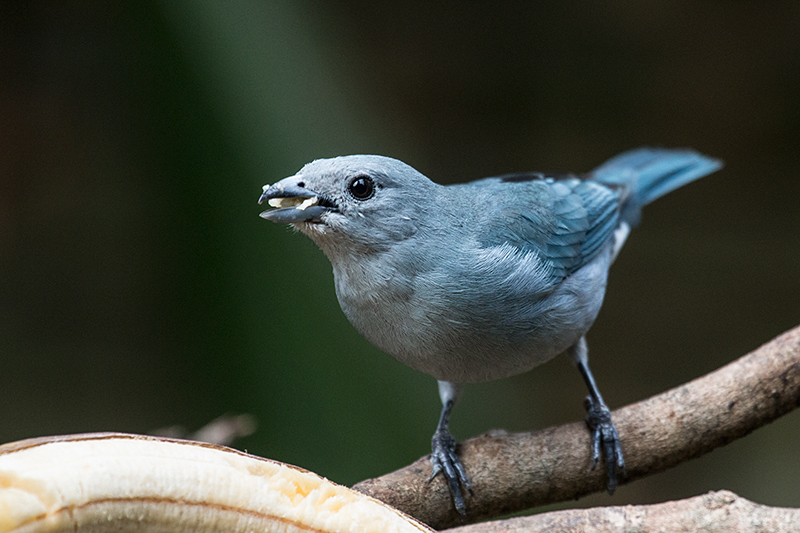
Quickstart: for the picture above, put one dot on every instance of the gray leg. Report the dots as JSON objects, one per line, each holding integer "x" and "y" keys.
{"x": 598, "y": 418}
{"x": 443, "y": 448}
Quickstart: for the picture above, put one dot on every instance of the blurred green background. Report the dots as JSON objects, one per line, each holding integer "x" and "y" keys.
{"x": 140, "y": 289}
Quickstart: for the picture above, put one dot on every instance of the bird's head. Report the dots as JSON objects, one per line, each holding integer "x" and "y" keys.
{"x": 365, "y": 202}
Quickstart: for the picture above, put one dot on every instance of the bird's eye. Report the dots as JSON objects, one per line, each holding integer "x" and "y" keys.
{"x": 361, "y": 187}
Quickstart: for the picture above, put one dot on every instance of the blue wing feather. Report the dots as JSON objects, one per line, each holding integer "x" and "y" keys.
{"x": 568, "y": 220}
{"x": 586, "y": 215}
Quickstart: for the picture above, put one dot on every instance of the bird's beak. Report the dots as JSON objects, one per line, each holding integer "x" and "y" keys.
{"x": 293, "y": 203}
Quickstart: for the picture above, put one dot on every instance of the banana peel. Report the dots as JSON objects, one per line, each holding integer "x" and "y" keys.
{"x": 119, "y": 482}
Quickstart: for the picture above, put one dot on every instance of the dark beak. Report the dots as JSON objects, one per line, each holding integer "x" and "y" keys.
{"x": 292, "y": 203}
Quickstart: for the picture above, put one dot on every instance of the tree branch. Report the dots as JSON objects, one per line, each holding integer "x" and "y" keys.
{"x": 513, "y": 472}
{"x": 715, "y": 512}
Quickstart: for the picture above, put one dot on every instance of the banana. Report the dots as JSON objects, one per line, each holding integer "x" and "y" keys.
{"x": 103, "y": 482}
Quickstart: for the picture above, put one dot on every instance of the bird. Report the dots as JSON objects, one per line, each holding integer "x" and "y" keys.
{"x": 482, "y": 280}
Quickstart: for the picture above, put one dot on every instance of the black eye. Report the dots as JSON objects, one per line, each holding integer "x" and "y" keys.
{"x": 361, "y": 187}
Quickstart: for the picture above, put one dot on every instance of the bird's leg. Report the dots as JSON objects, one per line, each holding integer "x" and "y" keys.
{"x": 443, "y": 449}
{"x": 598, "y": 418}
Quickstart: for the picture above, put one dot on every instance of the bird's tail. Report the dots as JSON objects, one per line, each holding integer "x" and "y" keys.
{"x": 650, "y": 173}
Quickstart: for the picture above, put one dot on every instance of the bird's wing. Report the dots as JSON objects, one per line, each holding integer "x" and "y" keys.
{"x": 566, "y": 219}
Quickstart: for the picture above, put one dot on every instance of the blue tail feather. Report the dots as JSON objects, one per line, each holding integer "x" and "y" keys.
{"x": 650, "y": 173}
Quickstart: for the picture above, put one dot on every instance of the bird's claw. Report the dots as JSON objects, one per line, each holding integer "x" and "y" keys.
{"x": 605, "y": 438}
{"x": 445, "y": 460}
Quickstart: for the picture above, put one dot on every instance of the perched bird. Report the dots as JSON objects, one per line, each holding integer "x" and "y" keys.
{"x": 482, "y": 280}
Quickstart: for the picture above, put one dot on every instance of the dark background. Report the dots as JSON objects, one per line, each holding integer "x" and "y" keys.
{"x": 140, "y": 289}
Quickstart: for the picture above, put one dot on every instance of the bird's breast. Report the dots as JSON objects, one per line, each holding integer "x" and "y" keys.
{"x": 483, "y": 320}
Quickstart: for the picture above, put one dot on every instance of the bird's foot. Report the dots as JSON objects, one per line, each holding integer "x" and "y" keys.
{"x": 605, "y": 437}
{"x": 445, "y": 460}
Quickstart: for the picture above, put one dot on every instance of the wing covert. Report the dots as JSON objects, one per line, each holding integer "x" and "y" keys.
{"x": 567, "y": 221}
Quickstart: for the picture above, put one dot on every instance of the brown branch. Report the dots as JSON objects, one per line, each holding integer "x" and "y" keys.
{"x": 512, "y": 472}
{"x": 715, "y": 512}
{"x": 222, "y": 430}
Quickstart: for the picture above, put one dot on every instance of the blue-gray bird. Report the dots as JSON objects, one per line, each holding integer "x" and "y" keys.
{"x": 482, "y": 280}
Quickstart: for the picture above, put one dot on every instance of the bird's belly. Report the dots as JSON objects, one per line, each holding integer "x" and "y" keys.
{"x": 477, "y": 353}
{"x": 480, "y": 344}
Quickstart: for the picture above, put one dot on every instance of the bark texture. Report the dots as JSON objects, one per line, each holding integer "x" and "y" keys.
{"x": 715, "y": 512}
